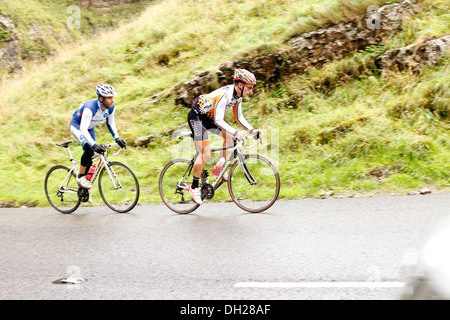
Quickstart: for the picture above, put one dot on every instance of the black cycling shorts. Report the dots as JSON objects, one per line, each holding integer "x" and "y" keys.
{"x": 200, "y": 125}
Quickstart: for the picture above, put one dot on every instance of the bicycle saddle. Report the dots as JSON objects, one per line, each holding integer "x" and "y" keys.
{"x": 64, "y": 144}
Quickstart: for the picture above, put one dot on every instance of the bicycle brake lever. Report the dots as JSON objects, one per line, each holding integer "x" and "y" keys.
{"x": 258, "y": 136}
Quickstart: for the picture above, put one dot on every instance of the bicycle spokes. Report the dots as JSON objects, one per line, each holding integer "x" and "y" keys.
{"x": 173, "y": 182}
{"x": 256, "y": 187}
{"x": 61, "y": 189}
{"x": 118, "y": 187}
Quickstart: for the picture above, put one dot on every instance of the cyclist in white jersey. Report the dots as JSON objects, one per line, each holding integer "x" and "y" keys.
{"x": 208, "y": 112}
{"x": 83, "y": 125}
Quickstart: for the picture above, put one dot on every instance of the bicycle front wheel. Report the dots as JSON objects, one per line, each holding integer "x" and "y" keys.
{"x": 173, "y": 181}
{"x": 120, "y": 189}
{"x": 61, "y": 189}
{"x": 263, "y": 193}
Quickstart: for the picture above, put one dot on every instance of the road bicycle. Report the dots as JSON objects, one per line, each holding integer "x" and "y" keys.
{"x": 117, "y": 184}
{"x": 253, "y": 188}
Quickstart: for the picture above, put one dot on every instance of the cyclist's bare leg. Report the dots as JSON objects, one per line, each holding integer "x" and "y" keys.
{"x": 227, "y": 142}
{"x": 204, "y": 154}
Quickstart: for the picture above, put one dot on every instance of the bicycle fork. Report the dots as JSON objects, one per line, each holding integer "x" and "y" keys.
{"x": 247, "y": 174}
{"x": 112, "y": 174}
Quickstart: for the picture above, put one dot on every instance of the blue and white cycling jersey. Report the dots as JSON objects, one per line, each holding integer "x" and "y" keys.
{"x": 87, "y": 117}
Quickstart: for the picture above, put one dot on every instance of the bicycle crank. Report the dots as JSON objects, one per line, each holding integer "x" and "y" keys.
{"x": 207, "y": 191}
{"x": 83, "y": 194}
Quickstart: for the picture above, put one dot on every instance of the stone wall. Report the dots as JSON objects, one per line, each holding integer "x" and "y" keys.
{"x": 425, "y": 52}
{"x": 305, "y": 51}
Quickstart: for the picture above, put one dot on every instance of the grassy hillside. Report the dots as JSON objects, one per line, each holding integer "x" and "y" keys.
{"x": 395, "y": 135}
{"x": 41, "y": 26}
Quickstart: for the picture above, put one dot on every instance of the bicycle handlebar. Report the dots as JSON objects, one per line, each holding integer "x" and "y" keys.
{"x": 109, "y": 145}
{"x": 118, "y": 152}
{"x": 255, "y": 137}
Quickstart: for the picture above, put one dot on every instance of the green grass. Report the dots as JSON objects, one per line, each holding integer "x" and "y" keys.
{"x": 43, "y": 26}
{"x": 395, "y": 124}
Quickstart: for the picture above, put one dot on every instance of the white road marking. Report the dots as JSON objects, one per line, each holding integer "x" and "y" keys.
{"x": 332, "y": 284}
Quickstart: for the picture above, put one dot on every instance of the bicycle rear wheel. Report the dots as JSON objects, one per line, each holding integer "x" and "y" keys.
{"x": 61, "y": 189}
{"x": 259, "y": 196}
{"x": 120, "y": 191}
{"x": 173, "y": 181}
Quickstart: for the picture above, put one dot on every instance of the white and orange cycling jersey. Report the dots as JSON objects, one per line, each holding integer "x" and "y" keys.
{"x": 213, "y": 105}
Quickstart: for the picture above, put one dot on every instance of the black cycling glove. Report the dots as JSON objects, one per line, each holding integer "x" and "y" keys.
{"x": 122, "y": 143}
{"x": 98, "y": 148}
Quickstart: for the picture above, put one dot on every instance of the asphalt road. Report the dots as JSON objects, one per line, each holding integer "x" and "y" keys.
{"x": 298, "y": 250}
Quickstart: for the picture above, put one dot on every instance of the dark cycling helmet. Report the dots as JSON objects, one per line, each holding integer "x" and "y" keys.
{"x": 245, "y": 76}
{"x": 105, "y": 90}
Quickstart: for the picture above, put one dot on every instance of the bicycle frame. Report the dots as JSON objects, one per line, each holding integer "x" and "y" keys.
{"x": 236, "y": 153}
{"x": 102, "y": 162}
{"x": 73, "y": 169}
{"x": 112, "y": 174}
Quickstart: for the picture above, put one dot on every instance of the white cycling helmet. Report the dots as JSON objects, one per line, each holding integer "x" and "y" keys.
{"x": 245, "y": 76}
{"x": 105, "y": 90}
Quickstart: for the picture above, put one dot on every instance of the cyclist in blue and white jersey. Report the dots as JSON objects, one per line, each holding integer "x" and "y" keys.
{"x": 83, "y": 125}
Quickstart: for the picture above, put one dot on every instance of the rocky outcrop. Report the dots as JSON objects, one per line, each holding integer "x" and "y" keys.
{"x": 307, "y": 50}
{"x": 425, "y": 52}
{"x": 9, "y": 46}
{"x": 201, "y": 83}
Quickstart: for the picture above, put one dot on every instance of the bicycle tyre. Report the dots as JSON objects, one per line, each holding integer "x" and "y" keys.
{"x": 251, "y": 198}
{"x": 121, "y": 200}
{"x": 52, "y": 184}
{"x": 176, "y": 199}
